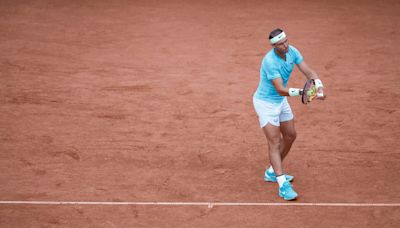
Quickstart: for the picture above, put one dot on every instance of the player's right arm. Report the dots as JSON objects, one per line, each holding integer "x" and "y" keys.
{"x": 283, "y": 91}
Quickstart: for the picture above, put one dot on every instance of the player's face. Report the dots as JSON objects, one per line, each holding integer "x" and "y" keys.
{"x": 282, "y": 46}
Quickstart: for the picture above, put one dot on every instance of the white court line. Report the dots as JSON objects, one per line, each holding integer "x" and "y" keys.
{"x": 208, "y": 204}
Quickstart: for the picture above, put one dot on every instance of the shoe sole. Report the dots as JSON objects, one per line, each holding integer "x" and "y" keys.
{"x": 288, "y": 199}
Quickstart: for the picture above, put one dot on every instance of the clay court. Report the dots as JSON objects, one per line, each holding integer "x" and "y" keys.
{"x": 139, "y": 114}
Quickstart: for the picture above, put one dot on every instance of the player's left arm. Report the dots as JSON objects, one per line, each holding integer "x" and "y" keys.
{"x": 307, "y": 71}
{"x": 311, "y": 74}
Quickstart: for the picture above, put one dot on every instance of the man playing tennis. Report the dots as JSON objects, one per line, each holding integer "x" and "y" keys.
{"x": 273, "y": 110}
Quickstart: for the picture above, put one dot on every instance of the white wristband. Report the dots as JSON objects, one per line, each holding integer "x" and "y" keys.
{"x": 294, "y": 92}
{"x": 318, "y": 84}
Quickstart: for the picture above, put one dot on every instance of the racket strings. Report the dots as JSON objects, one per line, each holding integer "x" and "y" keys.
{"x": 309, "y": 91}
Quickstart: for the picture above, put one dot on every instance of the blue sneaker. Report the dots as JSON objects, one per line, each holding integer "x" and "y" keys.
{"x": 271, "y": 176}
{"x": 287, "y": 192}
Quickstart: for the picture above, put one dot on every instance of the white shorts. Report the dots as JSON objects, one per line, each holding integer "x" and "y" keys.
{"x": 273, "y": 113}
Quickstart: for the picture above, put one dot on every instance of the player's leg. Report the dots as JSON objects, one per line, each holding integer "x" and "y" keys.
{"x": 287, "y": 128}
{"x": 286, "y": 141}
{"x": 288, "y": 137}
{"x": 273, "y": 135}
{"x": 268, "y": 115}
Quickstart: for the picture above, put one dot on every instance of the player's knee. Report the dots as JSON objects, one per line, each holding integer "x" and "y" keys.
{"x": 274, "y": 145}
{"x": 290, "y": 136}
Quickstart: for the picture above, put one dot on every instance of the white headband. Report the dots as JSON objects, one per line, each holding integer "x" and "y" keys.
{"x": 278, "y": 38}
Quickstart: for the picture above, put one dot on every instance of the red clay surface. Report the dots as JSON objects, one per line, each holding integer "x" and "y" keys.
{"x": 151, "y": 101}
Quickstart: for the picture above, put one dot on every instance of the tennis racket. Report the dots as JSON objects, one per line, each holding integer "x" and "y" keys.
{"x": 309, "y": 91}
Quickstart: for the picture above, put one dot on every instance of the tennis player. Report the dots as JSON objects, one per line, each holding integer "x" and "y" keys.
{"x": 273, "y": 110}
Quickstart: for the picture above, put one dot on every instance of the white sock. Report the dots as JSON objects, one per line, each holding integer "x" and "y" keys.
{"x": 270, "y": 169}
{"x": 281, "y": 179}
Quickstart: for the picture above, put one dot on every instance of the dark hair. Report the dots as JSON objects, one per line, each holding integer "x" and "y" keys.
{"x": 275, "y": 32}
